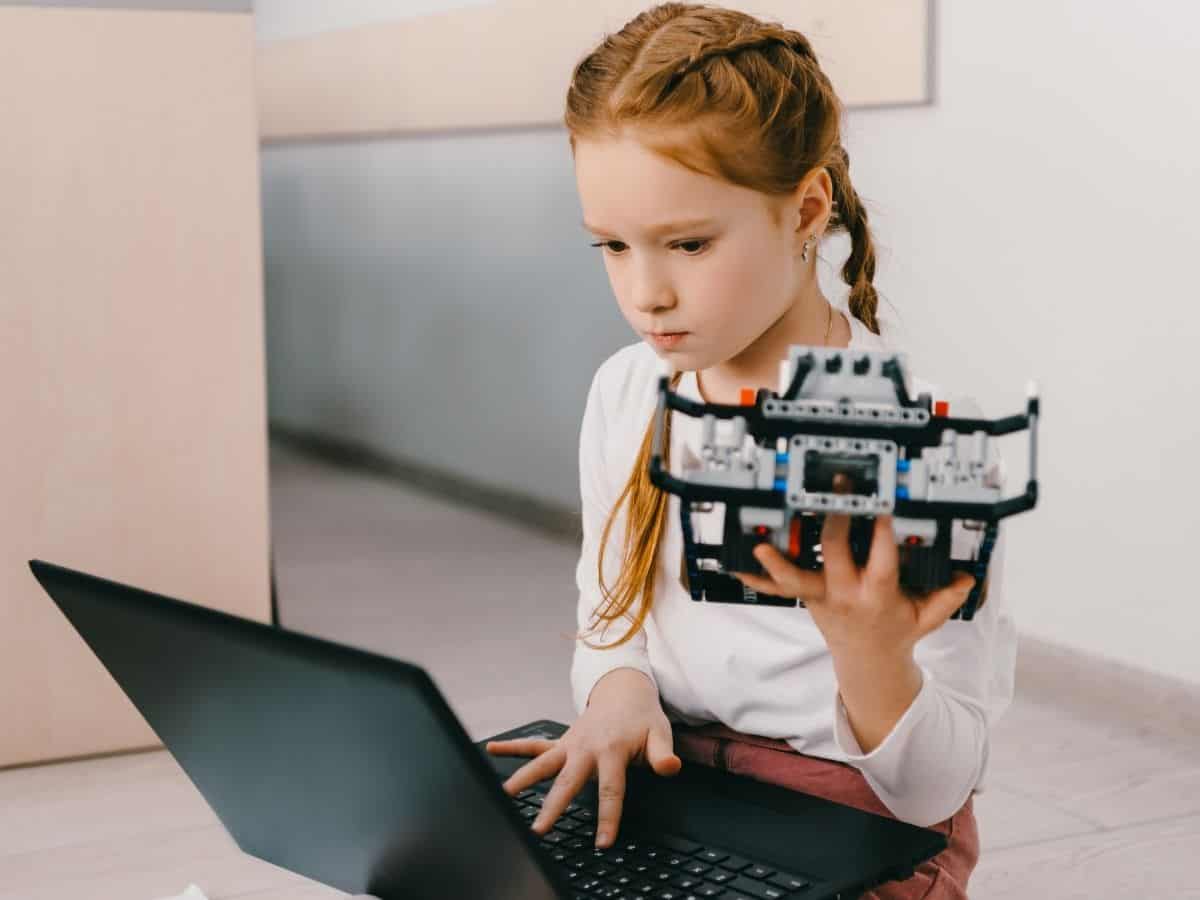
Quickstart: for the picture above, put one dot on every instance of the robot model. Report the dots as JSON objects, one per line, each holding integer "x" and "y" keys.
{"x": 841, "y": 413}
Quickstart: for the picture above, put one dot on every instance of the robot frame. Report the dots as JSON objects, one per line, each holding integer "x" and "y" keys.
{"x": 840, "y": 413}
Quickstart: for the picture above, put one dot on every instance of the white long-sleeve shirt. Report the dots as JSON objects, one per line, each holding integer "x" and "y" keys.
{"x": 767, "y": 670}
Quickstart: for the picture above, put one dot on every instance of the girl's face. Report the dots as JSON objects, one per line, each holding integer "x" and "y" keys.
{"x": 686, "y": 253}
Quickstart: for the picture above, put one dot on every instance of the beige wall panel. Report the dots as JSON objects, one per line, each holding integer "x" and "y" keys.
{"x": 131, "y": 343}
{"x": 509, "y": 64}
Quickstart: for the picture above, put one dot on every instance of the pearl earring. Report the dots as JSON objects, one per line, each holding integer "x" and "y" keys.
{"x": 808, "y": 242}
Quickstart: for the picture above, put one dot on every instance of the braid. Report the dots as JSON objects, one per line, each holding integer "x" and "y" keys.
{"x": 750, "y": 38}
{"x": 859, "y": 268}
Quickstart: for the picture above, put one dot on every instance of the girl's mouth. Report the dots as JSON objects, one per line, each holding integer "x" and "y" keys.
{"x": 667, "y": 340}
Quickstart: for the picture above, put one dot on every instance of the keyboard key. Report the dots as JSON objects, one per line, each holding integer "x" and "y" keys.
{"x": 686, "y": 882}
{"x": 756, "y": 888}
{"x": 735, "y": 863}
{"x": 719, "y": 876}
{"x": 709, "y": 890}
{"x": 678, "y": 844}
{"x": 696, "y": 868}
{"x": 712, "y": 856}
{"x": 789, "y": 882}
{"x": 758, "y": 872}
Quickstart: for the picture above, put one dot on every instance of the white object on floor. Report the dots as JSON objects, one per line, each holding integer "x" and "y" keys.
{"x": 191, "y": 893}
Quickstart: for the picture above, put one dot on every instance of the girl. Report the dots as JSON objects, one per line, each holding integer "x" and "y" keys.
{"x": 709, "y": 164}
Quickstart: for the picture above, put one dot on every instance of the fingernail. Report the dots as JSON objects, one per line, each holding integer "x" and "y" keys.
{"x": 601, "y": 838}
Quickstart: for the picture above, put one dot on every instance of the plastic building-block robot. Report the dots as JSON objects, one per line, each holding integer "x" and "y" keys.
{"x": 849, "y": 414}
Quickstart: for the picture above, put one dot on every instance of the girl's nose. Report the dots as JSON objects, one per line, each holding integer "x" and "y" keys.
{"x": 653, "y": 299}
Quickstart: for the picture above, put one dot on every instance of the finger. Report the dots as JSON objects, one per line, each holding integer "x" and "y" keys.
{"x": 759, "y": 583}
{"x": 837, "y": 559}
{"x": 520, "y": 747}
{"x": 794, "y": 581}
{"x": 611, "y": 793}
{"x": 660, "y": 752}
{"x": 934, "y": 610}
{"x": 883, "y": 563}
{"x": 535, "y": 770}
{"x": 569, "y": 782}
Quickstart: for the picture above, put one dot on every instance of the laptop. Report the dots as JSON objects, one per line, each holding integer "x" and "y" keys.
{"x": 349, "y": 768}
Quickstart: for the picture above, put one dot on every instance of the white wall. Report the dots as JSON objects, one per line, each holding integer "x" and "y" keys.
{"x": 1034, "y": 222}
{"x": 1040, "y": 221}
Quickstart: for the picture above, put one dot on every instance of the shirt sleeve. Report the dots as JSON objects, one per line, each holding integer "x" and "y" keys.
{"x": 936, "y": 754}
{"x": 597, "y": 496}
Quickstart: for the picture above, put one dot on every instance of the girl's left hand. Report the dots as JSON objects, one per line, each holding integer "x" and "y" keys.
{"x": 859, "y": 611}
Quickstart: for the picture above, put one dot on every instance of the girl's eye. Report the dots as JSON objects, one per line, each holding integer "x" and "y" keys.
{"x": 700, "y": 244}
{"x": 606, "y": 245}
{"x": 703, "y": 245}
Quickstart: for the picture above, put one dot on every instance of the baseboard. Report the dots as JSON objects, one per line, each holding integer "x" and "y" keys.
{"x": 547, "y": 518}
{"x": 1102, "y": 689}
{"x": 1084, "y": 684}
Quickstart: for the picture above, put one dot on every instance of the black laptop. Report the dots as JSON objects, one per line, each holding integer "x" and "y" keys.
{"x": 349, "y": 768}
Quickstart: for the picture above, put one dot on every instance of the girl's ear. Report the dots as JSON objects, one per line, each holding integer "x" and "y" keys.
{"x": 813, "y": 202}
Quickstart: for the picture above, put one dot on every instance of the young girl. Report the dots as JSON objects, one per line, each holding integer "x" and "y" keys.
{"x": 709, "y": 164}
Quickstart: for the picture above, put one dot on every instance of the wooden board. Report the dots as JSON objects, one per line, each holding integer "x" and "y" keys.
{"x": 508, "y": 64}
{"x": 131, "y": 343}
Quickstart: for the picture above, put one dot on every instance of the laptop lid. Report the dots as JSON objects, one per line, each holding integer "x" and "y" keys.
{"x": 305, "y": 749}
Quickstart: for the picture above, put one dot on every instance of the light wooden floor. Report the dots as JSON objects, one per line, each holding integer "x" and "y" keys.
{"x": 1076, "y": 808}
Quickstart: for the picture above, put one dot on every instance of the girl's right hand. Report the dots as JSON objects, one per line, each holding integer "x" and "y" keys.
{"x": 623, "y": 723}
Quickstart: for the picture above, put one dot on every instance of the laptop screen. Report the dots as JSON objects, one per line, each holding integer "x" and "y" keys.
{"x": 341, "y": 765}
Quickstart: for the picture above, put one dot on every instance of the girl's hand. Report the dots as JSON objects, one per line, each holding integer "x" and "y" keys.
{"x": 623, "y": 723}
{"x": 859, "y": 611}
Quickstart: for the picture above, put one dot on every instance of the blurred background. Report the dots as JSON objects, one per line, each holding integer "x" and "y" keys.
{"x": 297, "y": 320}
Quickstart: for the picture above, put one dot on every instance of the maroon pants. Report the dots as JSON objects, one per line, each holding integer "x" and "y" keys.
{"x": 942, "y": 878}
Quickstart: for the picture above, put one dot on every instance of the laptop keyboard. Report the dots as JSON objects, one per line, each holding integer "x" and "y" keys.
{"x": 656, "y": 866}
